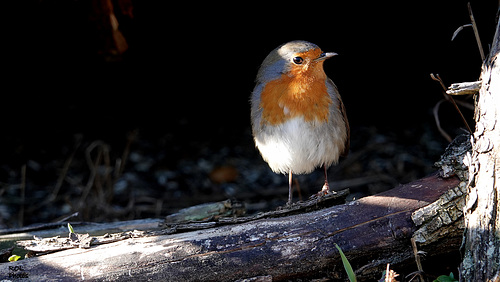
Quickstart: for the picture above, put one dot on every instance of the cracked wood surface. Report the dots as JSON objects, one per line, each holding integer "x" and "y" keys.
{"x": 481, "y": 256}
{"x": 370, "y": 231}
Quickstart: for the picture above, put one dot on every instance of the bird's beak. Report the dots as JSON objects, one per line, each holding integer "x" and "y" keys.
{"x": 325, "y": 56}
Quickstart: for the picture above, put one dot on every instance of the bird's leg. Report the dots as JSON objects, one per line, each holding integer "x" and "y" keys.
{"x": 326, "y": 188}
{"x": 289, "y": 203}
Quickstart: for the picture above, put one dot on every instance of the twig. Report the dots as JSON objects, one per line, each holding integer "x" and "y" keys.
{"x": 108, "y": 194}
{"x": 438, "y": 79}
{"x": 435, "y": 112}
{"x": 449, "y": 98}
{"x": 64, "y": 172}
{"x": 417, "y": 256}
{"x": 23, "y": 195}
{"x": 417, "y": 259}
{"x": 93, "y": 165}
{"x": 476, "y": 33}
{"x": 413, "y": 275}
{"x": 121, "y": 163}
{"x": 464, "y": 88}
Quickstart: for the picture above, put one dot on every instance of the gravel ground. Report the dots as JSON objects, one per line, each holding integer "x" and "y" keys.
{"x": 140, "y": 176}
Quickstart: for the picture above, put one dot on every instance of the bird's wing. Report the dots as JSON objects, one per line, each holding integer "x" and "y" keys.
{"x": 341, "y": 107}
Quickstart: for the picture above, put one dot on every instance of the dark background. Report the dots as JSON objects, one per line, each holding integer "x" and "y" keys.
{"x": 184, "y": 83}
{"x": 186, "y": 61}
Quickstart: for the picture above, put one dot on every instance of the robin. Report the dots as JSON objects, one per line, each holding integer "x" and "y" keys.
{"x": 298, "y": 118}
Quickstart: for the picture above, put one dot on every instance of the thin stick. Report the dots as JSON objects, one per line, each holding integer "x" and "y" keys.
{"x": 64, "y": 172}
{"x": 23, "y": 195}
{"x": 417, "y": 258}
{"x": 130, "y": 139}
{"x": 108, "y": 178}
{"x": 476, "y": 33}
{"x": 438, "y": 79}
{"x": 449, "y": 98}
{"x": 93, "y": 169}
{"x": 435, "y": 111}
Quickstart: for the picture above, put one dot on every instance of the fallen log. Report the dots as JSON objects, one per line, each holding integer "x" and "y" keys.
{"x": 372, "y": 232}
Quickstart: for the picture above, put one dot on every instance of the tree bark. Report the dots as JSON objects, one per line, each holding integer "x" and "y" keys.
{"x": 481, "y": 260}
{"x": 371, "y": 231}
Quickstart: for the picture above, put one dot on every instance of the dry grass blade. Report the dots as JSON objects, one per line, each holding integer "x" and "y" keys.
{"x": 459, "y": 29}
{"x": 474, "y": 27}
{"x": 476, "y": 33}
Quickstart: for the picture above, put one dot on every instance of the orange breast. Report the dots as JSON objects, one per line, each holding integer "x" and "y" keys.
{"x": 301, "y": 94}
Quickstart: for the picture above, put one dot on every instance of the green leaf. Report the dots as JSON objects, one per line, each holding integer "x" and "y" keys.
{"x": 383, "y": 277}
{"x": 347, "y": 265}
{"x": 14, "y": 258}
{"x": 445, "y": 278}
{"x": 70, "y": 228}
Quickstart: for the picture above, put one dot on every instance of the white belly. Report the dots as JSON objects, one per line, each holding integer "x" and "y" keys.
{"x": 300, "y": 146}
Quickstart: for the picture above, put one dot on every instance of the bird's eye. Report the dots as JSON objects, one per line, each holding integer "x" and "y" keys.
{"x": 298, "y": 60}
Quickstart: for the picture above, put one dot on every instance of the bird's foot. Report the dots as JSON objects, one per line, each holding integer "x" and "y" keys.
{"x": 325, "y": 190}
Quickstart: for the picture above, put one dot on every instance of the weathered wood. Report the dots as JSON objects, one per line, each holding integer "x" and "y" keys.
{"x": 61, "y": 229}
{"x": 372, "y": 232}
{"x": 482, "y": 214}
{"x": 442, "y": 220}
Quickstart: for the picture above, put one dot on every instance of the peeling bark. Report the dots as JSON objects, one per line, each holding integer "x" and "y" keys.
{"x": 482, "y": 213}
